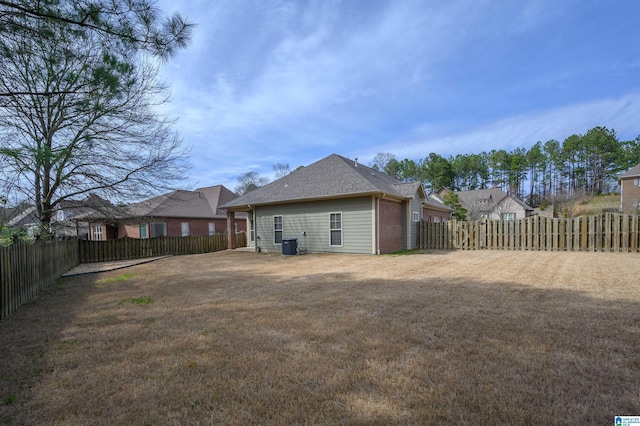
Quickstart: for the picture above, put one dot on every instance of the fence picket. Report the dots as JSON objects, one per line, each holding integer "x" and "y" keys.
{"x": 608, "y": 233}
{"x": 26, "y": 269}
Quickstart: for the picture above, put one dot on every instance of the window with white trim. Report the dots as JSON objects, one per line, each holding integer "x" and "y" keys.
{"x": 416, "y": 216}
{"x": 143, "y": 230}
{"x": 636, "y": 181}
{"x": 184, "y": 226}
{"x": 508, "y": 216}
{"x": 277, "y": 229}
{"x": 335, "y": 228}
{"x": 97, "y": 233}
{"x": 212, "y": 228}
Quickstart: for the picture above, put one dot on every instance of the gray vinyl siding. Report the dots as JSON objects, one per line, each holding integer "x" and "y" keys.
{"x": 409, "y": 240}
{"x": 416, "y": 206}
{"x": 313, "y": 219}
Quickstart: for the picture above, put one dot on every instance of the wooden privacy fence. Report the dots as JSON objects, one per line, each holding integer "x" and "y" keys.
{"x": 607, "y": 233}
{"x": 26, "y": 269}
{"x": 134, "y": 248}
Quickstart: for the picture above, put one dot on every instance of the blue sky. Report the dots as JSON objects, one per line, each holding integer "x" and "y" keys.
{"x": 267, "y": 82}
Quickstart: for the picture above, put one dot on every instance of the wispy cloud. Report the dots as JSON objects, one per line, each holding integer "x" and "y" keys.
{"x": 293, "y": 81}
{"x": 522, "y": 130}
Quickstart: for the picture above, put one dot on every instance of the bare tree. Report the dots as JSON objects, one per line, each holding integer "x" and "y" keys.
{"x": 81, "y": 118}
{"x": 249, "y": 181}
{"x": 381, "y": 160}
{"x": 281, "y": 170}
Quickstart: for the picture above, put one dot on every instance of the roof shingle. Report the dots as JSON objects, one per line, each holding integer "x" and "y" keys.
{"x": 332, "y": 177}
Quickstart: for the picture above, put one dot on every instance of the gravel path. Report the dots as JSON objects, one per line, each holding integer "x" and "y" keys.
{"x": 90, "y": 268}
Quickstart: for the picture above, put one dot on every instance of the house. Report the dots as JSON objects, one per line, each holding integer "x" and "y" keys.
{"x": 177, "y": 213}
{"x": 333, "y": 205}
{"x": 630, "y": 191}
{"x": 434, "y": 210}
{"x": 491, "y": 203}
{"x": 71, "y": 217}
{"x": 22, "y": 216}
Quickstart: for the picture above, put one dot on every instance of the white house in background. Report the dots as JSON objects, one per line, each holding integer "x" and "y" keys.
{"x": 491, "y": 203}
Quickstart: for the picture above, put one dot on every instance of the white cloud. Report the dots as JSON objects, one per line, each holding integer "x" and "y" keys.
{"x": 523, "y": 130}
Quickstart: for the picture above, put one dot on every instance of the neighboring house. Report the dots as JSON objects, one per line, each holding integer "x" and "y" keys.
{"x": 177, "y": 213}
{"x": 434, "y": 210}
{"x": 71, "y": 217}
{"x": 22, "y": 216}
{"x": 333, "y": 205}
{"x": 491, "y": 203}
{"x": 630, "y": 191}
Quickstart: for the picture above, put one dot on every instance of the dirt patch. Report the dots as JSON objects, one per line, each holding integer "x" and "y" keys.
{"x": 244, "y": 338}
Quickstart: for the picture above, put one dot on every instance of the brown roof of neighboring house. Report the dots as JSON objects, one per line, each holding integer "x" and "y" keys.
{"x": 631, "y": 173}
{"x": 332, "y": 177}
{"x": 202, "y": 203}
{"x": 494, "y": 196}
{"x": 435, "y": 204}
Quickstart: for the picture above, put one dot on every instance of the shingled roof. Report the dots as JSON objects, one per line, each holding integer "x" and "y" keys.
{"x": 492, "y": 196}
{"x": 332, "y": 177}
{"x": 631, "y": 173}
{"x": 201, "y": 203}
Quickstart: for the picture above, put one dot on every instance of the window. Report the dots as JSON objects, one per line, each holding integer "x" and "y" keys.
{"x": 212, "y": 228}
{"x": 159, "y": 229}
{"x": 185, "y": 229}
{"x": 636, "y": 181}
{"x": 143, "y": 230}
{"x": 416, "y": 216}
{"x": 335, "y": 228}
{"x": 277, "y": 229}
{"x": 436, "y": 219}
{"x": 97, "y": 233}
{"x": 508, "y": 216}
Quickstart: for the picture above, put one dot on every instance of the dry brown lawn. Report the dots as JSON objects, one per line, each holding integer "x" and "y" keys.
{"x": 240, "y": 338}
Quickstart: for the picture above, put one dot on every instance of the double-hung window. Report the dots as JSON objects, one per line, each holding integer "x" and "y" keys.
{"x": 97, "y": 233}
{"x": 277, "y": 229}
{"x": 335, "y": 228}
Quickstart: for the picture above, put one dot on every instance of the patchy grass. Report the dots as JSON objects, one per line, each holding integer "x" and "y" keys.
{"x": 407, "y": 252}
{"x": 137, "y": 301}
{"x": 118, "y": 278}
{"x": 490, "y": 337}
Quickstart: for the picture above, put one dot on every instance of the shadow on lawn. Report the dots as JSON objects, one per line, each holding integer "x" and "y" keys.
{"x": 238, "y": 347}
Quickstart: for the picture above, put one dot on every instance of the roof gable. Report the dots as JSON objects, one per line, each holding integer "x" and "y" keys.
{"x": 486, "y": 199}
{"x": 631, "y": 173}
{"x": 332, "y": 177}
{"x": 202, "y": 203}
